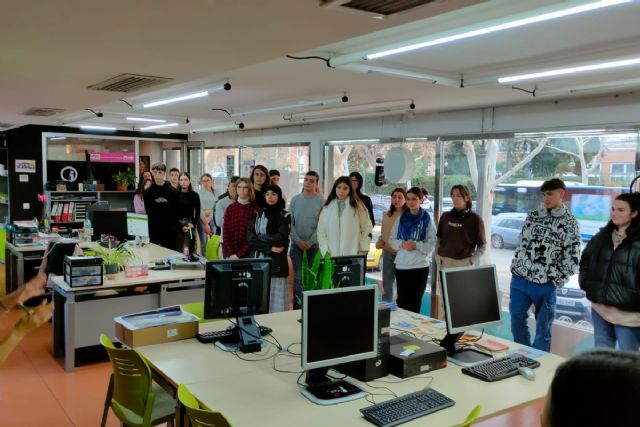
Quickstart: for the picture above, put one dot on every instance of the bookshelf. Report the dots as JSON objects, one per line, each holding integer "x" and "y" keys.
{"x": 69, "y": 208}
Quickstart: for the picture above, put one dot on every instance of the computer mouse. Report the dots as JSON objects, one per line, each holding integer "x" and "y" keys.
{"x": 528, "y": 373}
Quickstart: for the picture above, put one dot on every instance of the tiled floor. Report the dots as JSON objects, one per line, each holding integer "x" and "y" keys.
{"x": 35, "y": 391}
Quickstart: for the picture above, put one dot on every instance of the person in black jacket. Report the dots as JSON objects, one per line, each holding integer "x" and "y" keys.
{"x": 187, "y": 208}
{"x": 268, "y": 236}
{"x": 356, "y": 184}
{"x": 159, "y": 202}
{"x": 609, "y": 274}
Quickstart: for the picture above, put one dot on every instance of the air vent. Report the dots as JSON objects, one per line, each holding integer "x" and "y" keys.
{"x": 384, "y": 8}
{"x": 42, "y": 112}
{"x": 129, "y": 83}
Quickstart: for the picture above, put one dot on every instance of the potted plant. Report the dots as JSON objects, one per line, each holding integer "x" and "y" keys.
{"x": 115, "y": 258}
{"x": 124, "y": 179}
{"x": 309, "y": 277}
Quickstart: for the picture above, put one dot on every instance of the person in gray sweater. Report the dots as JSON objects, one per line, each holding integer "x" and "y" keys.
{"x": 305, "y": 211}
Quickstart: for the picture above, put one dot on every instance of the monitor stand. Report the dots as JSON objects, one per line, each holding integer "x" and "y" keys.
{"x": 462, "y": 356}
{"x": 245, "y": 336}
{"x": 323, "y": 390}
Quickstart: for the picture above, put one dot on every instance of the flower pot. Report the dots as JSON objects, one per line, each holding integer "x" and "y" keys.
{"x": 111, "y": 269}
{"x": 122, "y": 187}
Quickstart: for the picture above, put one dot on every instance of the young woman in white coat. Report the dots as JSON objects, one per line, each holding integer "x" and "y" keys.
{"x": 413, "y": 236}
{"x": 344, "y": 227}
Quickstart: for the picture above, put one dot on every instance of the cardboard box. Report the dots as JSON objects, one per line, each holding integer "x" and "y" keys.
{"x": 156, "y": 334}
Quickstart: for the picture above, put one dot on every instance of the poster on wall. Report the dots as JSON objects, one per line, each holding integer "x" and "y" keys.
{"x": 25, "y": 166}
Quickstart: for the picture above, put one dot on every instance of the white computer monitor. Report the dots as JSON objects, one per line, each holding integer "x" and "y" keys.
{"x": 338, "y": 325}
{"x": 471, "y": 302}
{"x": 137, "y": 224}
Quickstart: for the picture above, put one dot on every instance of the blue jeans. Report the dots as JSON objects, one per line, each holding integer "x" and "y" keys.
{"x": 606, "y": 334}
{"x": 296, "y": 260}
{"x": 543, "y": 297}
{"x": 388, "y": 276}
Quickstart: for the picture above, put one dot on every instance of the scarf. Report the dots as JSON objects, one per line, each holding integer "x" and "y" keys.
{"x": 413, "y": 227}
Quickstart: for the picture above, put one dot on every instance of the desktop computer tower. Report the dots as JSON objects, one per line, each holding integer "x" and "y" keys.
{"x": 376, "y": 367}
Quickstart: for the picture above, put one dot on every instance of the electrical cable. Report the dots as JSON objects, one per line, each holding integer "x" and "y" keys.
{"x": 326, "y": 60}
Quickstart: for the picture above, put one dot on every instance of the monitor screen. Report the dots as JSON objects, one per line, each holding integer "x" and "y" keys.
{"x": 97, "y": 206}
{"x": 471, "y": 297}
{"x": 349, "y": 270}
{"x": 339, "y": 325}
{"x": 137, "y": 224}
{"x": 55, "y": 254}
{"x": 113, "y": 223}
{"x": 231, "y": 285}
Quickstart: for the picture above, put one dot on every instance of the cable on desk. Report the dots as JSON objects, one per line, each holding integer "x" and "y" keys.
{"x": 291, "y": 352}
{"x": 282, "y": 370}
{"x": 404, "y": 332}
{"x": 278, "y": 346}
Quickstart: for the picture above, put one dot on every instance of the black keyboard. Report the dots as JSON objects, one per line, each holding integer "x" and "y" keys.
{"x": 499, "y": 369}
{"x": 214, "y": 336}
{"x": 406, "y": 408}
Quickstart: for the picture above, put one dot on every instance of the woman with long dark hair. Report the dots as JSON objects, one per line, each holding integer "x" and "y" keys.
{"x": 138, "y": 196}
{"x": 268, "y": 236}
{"x": 389, "y": 218}
{"x": 413, "y": 236}
{"x": 344, "y": 227}
{"x": 237, "y": 219}
{"x": 609, "y": 269}
{"x": 188, "y": 215}
{"x": 260, "y": 180}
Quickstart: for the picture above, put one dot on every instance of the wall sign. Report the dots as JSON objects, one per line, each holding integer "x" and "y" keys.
{"x": 26, "y": 166}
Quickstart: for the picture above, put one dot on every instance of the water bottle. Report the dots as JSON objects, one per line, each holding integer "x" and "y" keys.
{"x": 88, "y": 230}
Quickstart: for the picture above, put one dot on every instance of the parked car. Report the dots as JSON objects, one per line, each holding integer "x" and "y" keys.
{"x": 505, "y": 228}
{"x": 374, "y": 256}
{"x": 572, "y": 305}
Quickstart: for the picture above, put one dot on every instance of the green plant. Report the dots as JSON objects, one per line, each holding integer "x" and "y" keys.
{"x": 309, "y": 276}
{"x": 125, "y": 178}
{"x": 119, "y": 256}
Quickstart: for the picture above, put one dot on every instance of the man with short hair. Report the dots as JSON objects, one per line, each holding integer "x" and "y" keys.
{"x": 174, "y": 178}
{"x": 547, "y": 254}
{"x": 274, "y": 177}
{"x": 305, "y": 210}
{"x": 159, "y": 201}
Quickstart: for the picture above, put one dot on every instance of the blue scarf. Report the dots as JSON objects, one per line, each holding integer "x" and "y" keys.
{"x": 413, "y": 227}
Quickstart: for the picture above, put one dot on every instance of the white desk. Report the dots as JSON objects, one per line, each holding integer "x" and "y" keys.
{"x": 253, "y": 393}
{"x": 82, "y": 313}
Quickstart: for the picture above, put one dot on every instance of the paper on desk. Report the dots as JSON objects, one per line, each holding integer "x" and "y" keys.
{"x": 158, "y": 317}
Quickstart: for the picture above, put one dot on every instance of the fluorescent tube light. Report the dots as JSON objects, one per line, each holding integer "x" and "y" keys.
{"x": 353, "y": 141}
{"x": 166, "y": 125}
{"x": 145, "y": 119}
{"x": 614, "y": 84}
{"x": 194, "y": 95}
{"x": 352, "y": 111}
{"x": 218, "y": 128}
{"x": 96, "y": 127}
{"x": 399, "y": 72}
{"x": 479, "y": 29}
{"x": 292, "y": 106}
{"x": 570, "y": 70}
{"x": 560, "y": 133}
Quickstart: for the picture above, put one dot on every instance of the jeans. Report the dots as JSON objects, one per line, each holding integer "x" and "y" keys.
{"x": 543, "y": 297}
{"x": 388, "y": 276}
{"x": 296, "y": 260}
{"x": 606, "y": 334}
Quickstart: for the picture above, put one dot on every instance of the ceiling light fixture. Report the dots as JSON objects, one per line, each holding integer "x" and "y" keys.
{"x": 200, "y": 94}
{"x": 614, "y": 84}
{"x": 145, "y": 119}
{"x": 559, "y": 133}
{"x": 293, "y": 106}
{"x": 570, "y": 70}
{"x": 166, "y": 125}
{"x": 352, "y": 141}
{"x": 96, "y": 127}
{"x": 399, "y": 72}
{"x": 379, "y": 108}
{"x": 539, "y": 15}
{"x": 219, "y": 128}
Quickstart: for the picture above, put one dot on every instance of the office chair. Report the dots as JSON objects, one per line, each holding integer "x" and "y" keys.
{"x": 470, "y": 418}
{"x": 134, "y": 398}
{"x": 198, "y": 415}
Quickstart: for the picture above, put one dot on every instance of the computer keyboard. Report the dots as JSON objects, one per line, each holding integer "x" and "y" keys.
{"x": 499, "y": 369}
{"x": 213, "y": 336}
{"x": 406, "y": 408}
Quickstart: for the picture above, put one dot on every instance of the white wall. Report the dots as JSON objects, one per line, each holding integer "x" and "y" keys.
{"x": 611, "y": 111}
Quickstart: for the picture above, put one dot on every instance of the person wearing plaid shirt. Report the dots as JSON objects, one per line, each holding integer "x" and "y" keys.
{"x": 237, "y": 219}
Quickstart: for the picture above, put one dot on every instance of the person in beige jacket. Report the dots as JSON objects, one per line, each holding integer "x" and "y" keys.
{"x": 389, "y": 218}
{"x": 344, "y": 227}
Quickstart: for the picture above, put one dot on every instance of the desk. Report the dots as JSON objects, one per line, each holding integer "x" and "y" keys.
{"x": 22, "y": 263}
{"x": 252, "y": 393}
{"x": 82, "y": 313}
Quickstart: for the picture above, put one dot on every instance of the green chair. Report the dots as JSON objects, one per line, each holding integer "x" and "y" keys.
{"x": 199, "y": 415}
{"x": 471, "y": 417}
{"x": 135, "y": 399}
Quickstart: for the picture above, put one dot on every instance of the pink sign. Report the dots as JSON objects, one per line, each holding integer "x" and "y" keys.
{"x": 109, "y": 157}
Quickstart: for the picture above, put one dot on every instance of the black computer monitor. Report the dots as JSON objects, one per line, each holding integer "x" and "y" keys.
{"x": 349, "y": 270}
{"x": 338, "y": 325}
{"x": 238, "y": 288}
{"x": 471, "y": 301}
{"x": 55, "y": 254}
{"x": 113, "y": 223}
{"x": 97, "y": 206}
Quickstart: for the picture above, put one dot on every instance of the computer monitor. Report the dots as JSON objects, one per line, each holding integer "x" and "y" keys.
{"x": 471, "y": 301}
{"x": 349, "y": 270}
{"x": 56, "y": 251}
{"x": 137, "y": 224}
{"x": 238, "y": 288}
{"x": 97, "y": 206}
{"x": 338, "y": 325}
{"x": 113, "y": 223}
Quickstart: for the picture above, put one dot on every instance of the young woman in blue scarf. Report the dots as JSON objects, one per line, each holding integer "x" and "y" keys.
{"x": 413, "y": 236}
